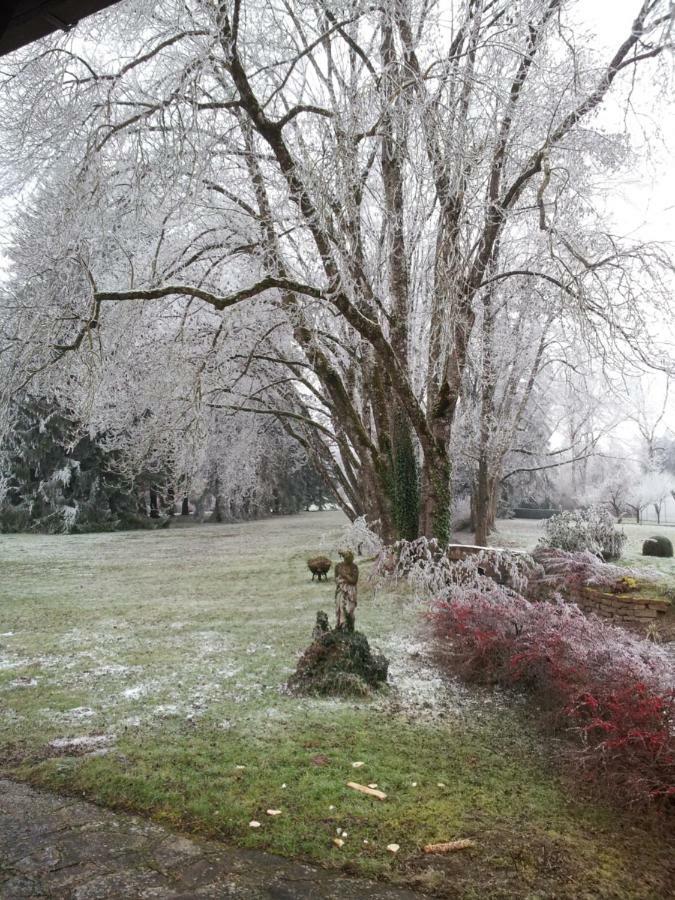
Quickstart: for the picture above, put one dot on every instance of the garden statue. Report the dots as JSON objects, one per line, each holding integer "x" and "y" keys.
{"x": 346, "y": 578}
{"x": 339, "y": 661}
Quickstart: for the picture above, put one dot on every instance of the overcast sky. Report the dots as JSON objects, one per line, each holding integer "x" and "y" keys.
{"x": 646, "y": 205}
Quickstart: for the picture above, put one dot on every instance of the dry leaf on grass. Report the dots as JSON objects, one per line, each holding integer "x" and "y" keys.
{"x": 338, "y": 842}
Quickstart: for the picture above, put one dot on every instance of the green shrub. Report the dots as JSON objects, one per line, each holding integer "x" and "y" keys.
{"x": 657, "y": 546}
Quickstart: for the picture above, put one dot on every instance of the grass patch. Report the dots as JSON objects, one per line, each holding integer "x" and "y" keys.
{"x": 173, "y": 647}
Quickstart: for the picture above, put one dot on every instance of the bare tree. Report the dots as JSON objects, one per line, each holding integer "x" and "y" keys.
{"x": 374, "y": 175}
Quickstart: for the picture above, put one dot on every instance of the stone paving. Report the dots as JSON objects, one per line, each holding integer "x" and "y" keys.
{"x": 59, "y": 847}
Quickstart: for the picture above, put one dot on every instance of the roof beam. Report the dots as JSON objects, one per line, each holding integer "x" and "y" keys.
{"x": 24, "y": 21}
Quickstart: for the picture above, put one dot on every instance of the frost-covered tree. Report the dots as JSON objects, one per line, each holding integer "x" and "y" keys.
{"x": 362, "y": 184}
{"x": 249, "y": 467}
{"x": 652, "y": 490}
{"x": 500, "y": 428}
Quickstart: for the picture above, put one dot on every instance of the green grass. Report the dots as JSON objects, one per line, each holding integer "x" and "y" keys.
{"x": 172, "y": 648}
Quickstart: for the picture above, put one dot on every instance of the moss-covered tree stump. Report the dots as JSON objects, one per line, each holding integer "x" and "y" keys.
{"x": 339, "y": 663}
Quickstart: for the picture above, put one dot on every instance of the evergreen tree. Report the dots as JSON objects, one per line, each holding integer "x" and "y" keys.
{"x": 57, "y": 478}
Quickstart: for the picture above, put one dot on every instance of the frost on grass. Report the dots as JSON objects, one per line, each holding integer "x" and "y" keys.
{"x": 80, "y": 712}
{"x": 138, "y": 691}
{"x": 422, "y": 692}
{"x": 15, "y": 663}
{"x": 84, "y": 743}
{"x": 212, "y": 642}
{"x": 167, "y": 710}
{"x": 23, "y": 682}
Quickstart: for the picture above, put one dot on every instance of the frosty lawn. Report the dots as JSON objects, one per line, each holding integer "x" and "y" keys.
{"x": 147, "y": 669}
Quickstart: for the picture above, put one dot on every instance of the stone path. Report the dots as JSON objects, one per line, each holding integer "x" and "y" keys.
{"x": 58, "y": 847}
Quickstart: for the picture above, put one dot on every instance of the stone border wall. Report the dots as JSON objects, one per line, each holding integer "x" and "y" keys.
{"x": 630, "y": 610}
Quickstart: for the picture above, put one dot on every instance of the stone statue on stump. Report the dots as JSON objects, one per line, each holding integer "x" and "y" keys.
{"x": 339, "y": 661}
{"x": 346, "y": 578}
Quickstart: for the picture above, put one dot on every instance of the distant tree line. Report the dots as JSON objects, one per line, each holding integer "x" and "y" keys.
{"x": 56, "y": 477}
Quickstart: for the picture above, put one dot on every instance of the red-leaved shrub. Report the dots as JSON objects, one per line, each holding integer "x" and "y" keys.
{"x": 609, "y": 690}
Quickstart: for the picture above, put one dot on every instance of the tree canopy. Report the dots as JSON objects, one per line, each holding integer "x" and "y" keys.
{"x": 381, "y": 226}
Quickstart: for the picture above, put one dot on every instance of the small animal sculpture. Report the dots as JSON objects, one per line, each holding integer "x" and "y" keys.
{"x": 322, "y": 626}
{"x": 318, "y": 566}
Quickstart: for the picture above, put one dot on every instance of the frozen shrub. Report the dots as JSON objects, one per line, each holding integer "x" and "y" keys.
{"x": 564, "y": 571}
{"x": 424, "y": 564}
{"x": 611, "y": 692}
{"x": 338, "y": 663}
{"x": 591, "y": 529}
{"x": 360, "y": 538}
{"x": 14, "y": 519}
{"x": 657, "y": 546}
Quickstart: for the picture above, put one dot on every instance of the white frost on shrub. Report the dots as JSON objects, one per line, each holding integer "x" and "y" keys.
{"x": 589, "y": 529}
{"x": 425, "y": 566}
{"x": 69, "y": 517}
{"x": 358, "y": 537}
{"x": 63, "y": 475}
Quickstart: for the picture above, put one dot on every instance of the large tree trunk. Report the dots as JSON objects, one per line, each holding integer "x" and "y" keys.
{"x": 404, "y": 480}
{"x": 218, "y": 505}
{"x": 484, "y": 504}
{"x": 435, "y": 498}
{"x": 141, "y": 503}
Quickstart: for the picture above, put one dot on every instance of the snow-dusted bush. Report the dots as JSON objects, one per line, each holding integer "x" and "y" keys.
{"x": 564, "y": 571}
{"x": 421, "y": 563}
{"x": 590, "y": 529}
{"x": 425, "y": 565}
{"x": 610, "y": 691}
{"x": 549, "y": 572}
{"x": 360, "y": 538}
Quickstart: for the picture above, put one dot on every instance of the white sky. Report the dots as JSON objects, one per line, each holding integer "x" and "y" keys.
{"x": 646, "y": 206}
